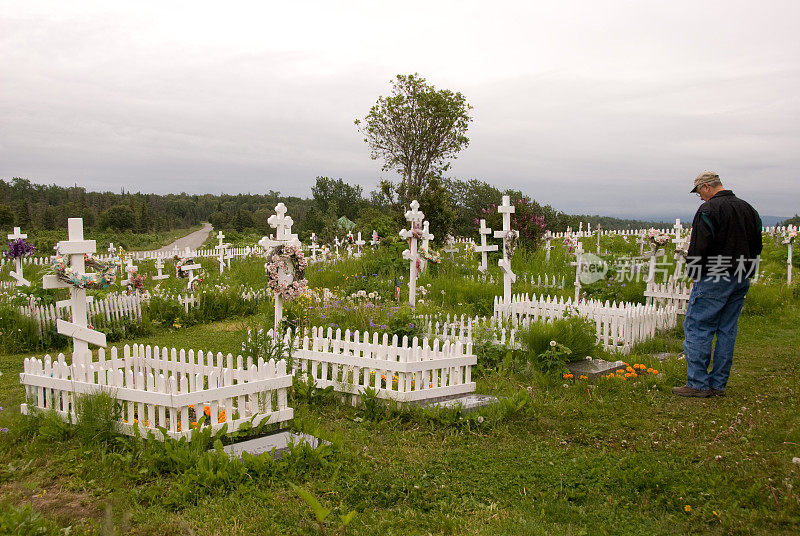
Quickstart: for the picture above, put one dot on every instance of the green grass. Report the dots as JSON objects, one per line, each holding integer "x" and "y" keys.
{"x": 611, "y": 457}
{"x": 617, "y": 457}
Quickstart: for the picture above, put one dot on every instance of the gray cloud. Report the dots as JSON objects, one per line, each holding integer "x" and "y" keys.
{"x": 608, "y": 109}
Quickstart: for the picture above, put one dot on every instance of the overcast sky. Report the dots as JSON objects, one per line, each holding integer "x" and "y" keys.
{"x": 608, "y": 107}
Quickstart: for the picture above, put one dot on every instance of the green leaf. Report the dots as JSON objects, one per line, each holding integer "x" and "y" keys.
{"x": 347, "y": 518}
{"x": 320, "y": 512}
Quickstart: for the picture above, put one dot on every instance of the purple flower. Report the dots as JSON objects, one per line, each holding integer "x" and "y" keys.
{"x": 383, "y": 326}
{"x": 18, "y": 249}
{"x": 3, "y": 430}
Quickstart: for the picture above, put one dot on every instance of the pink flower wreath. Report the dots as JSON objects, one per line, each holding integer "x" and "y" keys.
{"x": 278, "y": 261}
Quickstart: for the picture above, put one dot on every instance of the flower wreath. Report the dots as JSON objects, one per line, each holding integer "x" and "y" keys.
{"x": 278, "y": 261}
{"x": 106, "y": 272}
{"x": 789, "y": 238}
{"x": 510, "y": 243}
{"x": 194, "y": 283}
{"x": 180, "y": 262}
{"x": 430, "y": 255}
{"x": 657, "y": 238}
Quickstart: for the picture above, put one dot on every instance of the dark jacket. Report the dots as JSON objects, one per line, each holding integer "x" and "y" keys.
{"x": 725, "y": 229}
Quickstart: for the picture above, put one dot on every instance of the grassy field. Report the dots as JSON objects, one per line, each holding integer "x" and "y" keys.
{"x": 559, "y": 457}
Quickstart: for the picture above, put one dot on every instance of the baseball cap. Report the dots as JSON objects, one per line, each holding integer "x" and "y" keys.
{"x": 704, "y": 178}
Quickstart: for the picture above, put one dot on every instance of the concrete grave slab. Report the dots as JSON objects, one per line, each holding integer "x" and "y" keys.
{"x": 469, "y": 402}
{"x": 279, "y": 441}
{"x": 594, "y": 368}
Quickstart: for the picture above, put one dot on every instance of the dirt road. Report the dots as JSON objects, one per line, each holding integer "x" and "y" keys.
{"x": 193, "y": 240}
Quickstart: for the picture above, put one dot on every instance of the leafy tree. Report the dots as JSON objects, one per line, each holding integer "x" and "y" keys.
{"x": 243, "y": 220}
{"x": 349, "y": 198}
{"x": 118, "y": 217}
{"x": 795, "y": 220}
{"x": 6, "y": 216}
{"x": 435, "y": 203}
{"x": 416, "y": 130}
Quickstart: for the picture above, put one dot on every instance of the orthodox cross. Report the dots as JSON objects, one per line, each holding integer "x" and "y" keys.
{"x": 483, "y": 249}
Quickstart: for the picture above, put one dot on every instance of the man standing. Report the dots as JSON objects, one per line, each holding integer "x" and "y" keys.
{"x": 722, "y": 257}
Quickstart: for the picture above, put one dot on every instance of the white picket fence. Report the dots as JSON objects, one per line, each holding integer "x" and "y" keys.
{"x": 400, "y": 370}
{"x": 463, "y": 329}
{"x": 546, "y": 281}
{"x": 111, "y": 309}
{"x": 618, "y": 325}
{"x": 159, "y": 387}
{"x": 670, "y": 293}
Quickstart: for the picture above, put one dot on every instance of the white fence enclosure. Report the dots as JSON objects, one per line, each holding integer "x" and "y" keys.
{"x": 618, "y": 325}
{"x": 400, "y": 370}
{"x": 160, "y": 387}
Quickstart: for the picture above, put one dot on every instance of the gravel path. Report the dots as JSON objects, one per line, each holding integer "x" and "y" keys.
{"x": 193, "y": 240}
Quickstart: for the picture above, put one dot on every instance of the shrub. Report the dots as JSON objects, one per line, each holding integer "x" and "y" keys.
{"x": 575, "y": 333}
{"x": 98, "y": 416}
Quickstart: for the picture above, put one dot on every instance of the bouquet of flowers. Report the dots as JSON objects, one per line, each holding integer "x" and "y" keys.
{"x": 570, "y": 243}
{"x": 18, "y": 249}
{"x": 179, "y": 263}
{"x": 789, "y": 237}
{"x": 657, "y": 238}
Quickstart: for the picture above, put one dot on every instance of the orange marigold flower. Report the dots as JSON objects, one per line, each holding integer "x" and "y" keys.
{"x": 650, "y": 369}
{"x": 194, "y": 424}
{"x": 584, "y": 377}
{"x": 207, "y": 410}
{"x": 655, "y": 371}
{"x": 221, "y": 416}
{"x": 629, "y": 368}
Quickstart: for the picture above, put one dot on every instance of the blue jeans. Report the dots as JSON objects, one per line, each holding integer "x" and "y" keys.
{"x": 713, "y": 309}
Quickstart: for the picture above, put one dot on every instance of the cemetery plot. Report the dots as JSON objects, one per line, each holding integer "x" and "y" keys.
{"x": 400, "y": 370}
{"x": 163, "y": 388}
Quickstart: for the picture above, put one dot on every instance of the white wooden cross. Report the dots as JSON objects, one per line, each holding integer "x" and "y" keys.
{"x": 336, "y": 244}
{"x": 111, "y": 249}
{"x": 414, "y": 218}
{"x": 128, "y": 270}
{"x": 506, "y": 209}
{"x": 483, "y": 249}
{"x": 580, "y": 230}
{"x": 159, "y": 267}
{"x": 375, "y": 239}
{"x": 641, "y": 240}
{"x": 451, "y": 247}
{"x": 282, "y": 225}
{"x": 599, "y": 233}
{"x": 578, "y": 264}
{"x": 76, "y": 247}
{"x": 221, "y": 250}
{"x": 678, "y": 228}
{"x": 653, "y": 254}
{"x": 426, "y": 238}
{"x": 358, "y": 244}
{"x": 314, "y": 246}
{"x": 189, "y": 268}
{"x": 681, "y": 243}
{"x": 548, "y": 236}
{"x": 283, "y": 236}
{"x": 17, "y": 273}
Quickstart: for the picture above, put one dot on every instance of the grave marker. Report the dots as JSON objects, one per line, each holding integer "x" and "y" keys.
{"x": 483, "y": 249}
{"x": 76, "y": 247}
{"x": 506, "y": 209}
{"x": 414, "y": 218}
{"x": 17, "y": 272}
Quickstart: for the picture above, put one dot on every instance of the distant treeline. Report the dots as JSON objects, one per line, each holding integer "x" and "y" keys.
{"x": 452, "y": 206}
